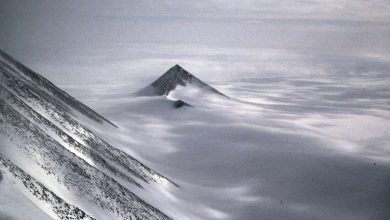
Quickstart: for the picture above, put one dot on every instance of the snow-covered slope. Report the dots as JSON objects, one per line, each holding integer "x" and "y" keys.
{"x": 32, "y": 190}
{"x": 14, "y": 204}
{"x": 10, "y": 64}
{"x": 60, "y": 163}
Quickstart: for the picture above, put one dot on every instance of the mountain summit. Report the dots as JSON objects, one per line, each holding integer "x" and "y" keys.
{"x": 176, "y": 76}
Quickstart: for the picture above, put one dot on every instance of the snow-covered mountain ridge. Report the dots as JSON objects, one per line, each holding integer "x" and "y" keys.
{"x": 47, "y": 147}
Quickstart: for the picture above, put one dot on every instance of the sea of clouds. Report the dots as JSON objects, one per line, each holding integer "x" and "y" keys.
{"x": 302, "y": 137}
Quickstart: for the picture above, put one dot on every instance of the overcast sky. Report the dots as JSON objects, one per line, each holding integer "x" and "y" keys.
{"x": 63, "y": 40}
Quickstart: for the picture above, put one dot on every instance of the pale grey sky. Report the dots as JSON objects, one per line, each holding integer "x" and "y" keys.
{"x": 66, "y": 39}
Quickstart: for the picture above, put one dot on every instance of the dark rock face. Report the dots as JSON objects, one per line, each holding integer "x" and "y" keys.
{"x": 178, "y": 76}
{"x": 35, "y": 116}
{"x": 180, "y": 103}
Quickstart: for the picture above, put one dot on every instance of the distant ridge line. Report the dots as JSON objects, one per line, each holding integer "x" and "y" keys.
{"x": 57, "y": 92}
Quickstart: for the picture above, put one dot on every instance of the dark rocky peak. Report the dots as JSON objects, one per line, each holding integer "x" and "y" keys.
{"x": 175, "y": 76}
{"x": 180, "y": 103}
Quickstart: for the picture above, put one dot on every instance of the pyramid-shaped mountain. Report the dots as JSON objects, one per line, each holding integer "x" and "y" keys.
{"x": 176, "y": 76}
{"x": 49, "y": 155}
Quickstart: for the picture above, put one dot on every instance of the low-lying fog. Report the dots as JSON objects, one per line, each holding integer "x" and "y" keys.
{"x": 303, "y": 137}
